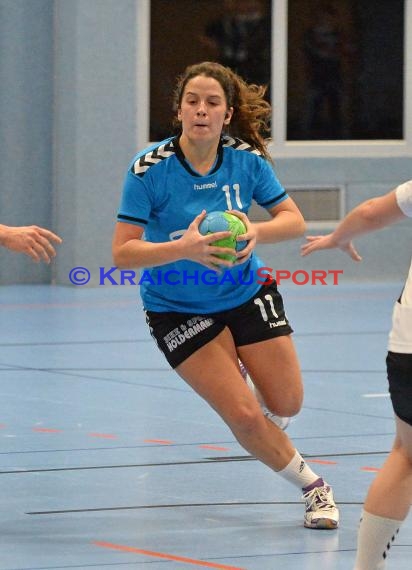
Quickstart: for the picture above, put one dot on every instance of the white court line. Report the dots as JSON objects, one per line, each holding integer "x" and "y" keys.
{"x": 384, "y": 395}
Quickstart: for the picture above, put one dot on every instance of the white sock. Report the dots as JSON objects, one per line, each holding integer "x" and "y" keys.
{"x": 299, "y": 473}
{"x": 375, "y": 537}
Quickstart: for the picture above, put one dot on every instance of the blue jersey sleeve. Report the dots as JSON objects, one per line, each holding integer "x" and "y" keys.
{"x": 136, "y": 205}
{"x": 268, "y": 192}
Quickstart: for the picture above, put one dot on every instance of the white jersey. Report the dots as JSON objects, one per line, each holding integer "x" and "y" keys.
{"x": 400, "y": 337}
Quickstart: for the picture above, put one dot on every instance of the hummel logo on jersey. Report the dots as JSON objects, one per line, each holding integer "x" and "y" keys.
{"x": 205, "y": 186}
{"x": 301, "y": 466}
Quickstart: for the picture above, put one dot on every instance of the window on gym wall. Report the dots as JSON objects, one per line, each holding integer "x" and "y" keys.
{"x": 237, "y": 33}
{"x": 339, "y": 72}
{"x": 345, "y": 70}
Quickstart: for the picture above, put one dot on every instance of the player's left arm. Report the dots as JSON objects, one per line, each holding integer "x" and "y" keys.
{"x": 286, "y": 223}
{"x": 286, "y": 220}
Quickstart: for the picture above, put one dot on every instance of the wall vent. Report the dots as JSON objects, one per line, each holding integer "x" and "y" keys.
{"x": 320, "y": 205}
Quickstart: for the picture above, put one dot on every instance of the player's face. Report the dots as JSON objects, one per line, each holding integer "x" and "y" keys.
{"x": 203, "y": 110}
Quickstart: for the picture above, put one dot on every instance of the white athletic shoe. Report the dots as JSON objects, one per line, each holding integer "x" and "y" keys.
{"x": 321, "y": 510}
{"x": 281, "y": 422}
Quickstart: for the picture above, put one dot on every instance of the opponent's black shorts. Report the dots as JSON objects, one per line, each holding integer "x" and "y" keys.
{"x": 399, "y": 368}
{"x": 178, "y": 335}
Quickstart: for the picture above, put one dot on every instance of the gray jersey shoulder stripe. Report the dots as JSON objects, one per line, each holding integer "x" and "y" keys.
{"x": 153, "y": 157}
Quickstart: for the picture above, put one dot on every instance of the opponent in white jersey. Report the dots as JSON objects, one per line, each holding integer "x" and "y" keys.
{"x": 389, "y": 497}
{"x": 219, "y": 161}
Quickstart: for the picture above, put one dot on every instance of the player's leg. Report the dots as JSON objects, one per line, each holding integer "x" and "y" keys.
{"x": 280, "y": 421}
{"x": 262, "y": 335}
{"x": 275, "y": 370}
{"x": 213, "y": 372}
{"x": 263, "y": 318}
{"x": 387, "y": 503}
{"x": 389, "y": 496}
{"x": 390, "y": 493}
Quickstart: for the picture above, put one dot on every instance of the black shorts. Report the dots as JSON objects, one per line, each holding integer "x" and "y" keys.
{"x": 399, "y": 368}
{"x": 178, "y": 335}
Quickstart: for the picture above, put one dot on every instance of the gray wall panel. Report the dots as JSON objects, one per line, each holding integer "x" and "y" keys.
{"x": 26, "y": 96}
{"x": 95, "y": 101}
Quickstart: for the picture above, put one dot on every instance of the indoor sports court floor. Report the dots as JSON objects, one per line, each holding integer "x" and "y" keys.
{"x": 109, "y": 461}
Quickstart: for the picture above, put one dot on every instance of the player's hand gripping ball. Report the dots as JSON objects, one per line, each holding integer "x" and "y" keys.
{"x": 223, "y": 222}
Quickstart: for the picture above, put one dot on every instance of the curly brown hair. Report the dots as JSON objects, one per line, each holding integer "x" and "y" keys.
{"x": 251, "y": 112}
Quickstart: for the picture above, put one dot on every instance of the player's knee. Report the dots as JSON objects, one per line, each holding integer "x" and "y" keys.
{"x": 245, "y": 418}
{"x": 287, "y": 406}
{"x": 405, "y": 451}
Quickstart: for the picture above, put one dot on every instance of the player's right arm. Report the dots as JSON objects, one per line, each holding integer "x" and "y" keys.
{"x": 367, "y": 217}
{"x": 131, "y": 251}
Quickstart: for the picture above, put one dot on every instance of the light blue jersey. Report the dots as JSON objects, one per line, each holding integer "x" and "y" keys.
{"x": 163, "y": 194}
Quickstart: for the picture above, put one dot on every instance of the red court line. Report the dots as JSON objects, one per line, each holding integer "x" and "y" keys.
{"x": 161, "y": 441}
{"x": 321, "y": 461}
{"x": 215, "y": 447}
{"x": 103, "y": 435}
{"x": 47, "y": 430}
{"x": 123, "y": 548}
{"x": 370, "y": 469}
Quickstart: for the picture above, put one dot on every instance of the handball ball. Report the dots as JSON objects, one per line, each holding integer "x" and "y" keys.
{"x": 223, "y": 222}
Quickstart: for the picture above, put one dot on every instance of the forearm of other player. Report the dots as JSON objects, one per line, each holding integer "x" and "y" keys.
{"x": 3, "y": 235}
{"x": 371, "y": 215}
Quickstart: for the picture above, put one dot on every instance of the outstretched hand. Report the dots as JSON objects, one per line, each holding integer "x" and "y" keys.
{"x": 315, "y": 243}
{"x": 33, "y": 241}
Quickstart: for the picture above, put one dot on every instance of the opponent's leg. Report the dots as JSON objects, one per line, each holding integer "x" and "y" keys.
{"x": 387, "y": 503}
